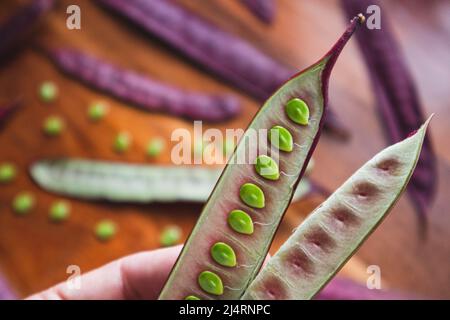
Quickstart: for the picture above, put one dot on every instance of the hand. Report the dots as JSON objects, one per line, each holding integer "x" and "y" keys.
{"x": 139, "y": 276}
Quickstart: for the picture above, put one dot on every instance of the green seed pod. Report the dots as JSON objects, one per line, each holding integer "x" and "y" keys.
{"x": 122, "y": 142}
{"x": 210, "y": 283}
{"x": 223, "y": 254}
{"x": 97, "y": 111}
{"x": 231, "y": 191}
{"x": 281, "y": 138}
{"x": 252, "y": 195}
{"x": 332, "y": 233}
{"x": 59, "y": 211}
{"x": 48, "y": 91}
{"x": 240, "y": 222}
{"x": 23, "y": 203}
{"x": 7, "y": 172}
{"x": 298, "y": 111}
{"x": 155, "y": 147}
{"x": 228, "y": 147}
{"x": 192, "y": 298}
{"x": 53, "y": 126}
{"x": 105, "y": 230}
{"x": 267, "y": 167}
{"x": 170, "y": 236}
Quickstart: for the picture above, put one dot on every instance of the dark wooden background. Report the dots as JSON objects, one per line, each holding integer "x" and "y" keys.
{"x": 35, "y": 253}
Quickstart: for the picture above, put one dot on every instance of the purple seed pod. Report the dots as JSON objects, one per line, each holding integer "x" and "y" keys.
{"x": 21, "y": 23}
{"x": 8, "y": 110}
{"x": 142, "y": 91}
{"x": 345, "y": 289}
{"x": 263, "y": 9}
{"x": 224, "y": 54}
{"x": 397, "y": 100}
{"x": 6, "y": 293}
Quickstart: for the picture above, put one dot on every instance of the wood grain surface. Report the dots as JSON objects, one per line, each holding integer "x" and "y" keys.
{"x": 34, "y": 253}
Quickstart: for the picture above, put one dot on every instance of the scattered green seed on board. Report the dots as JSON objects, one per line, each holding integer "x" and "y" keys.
{"x": 53, "y": 126}
{"x": 298, "y": 111}
{"x": 281, "y": 138}
{"x": 7, "y": 172}
{"x": 240, "y": 222}
{"x": 23, "y": 203}
{"x": 267, "y": 167}
{"x": 223, "y": 254}
{"x": 192, "y": 298}
{"x": 155, "y": 147}
{"x": 105, "y": 230}
{"x": 210, "y": 283}
{"x": 48, "y": 91}
{"x": 59, "y": 211}
{"x": 252, "y": 195}
{"x": 97, "y": 111}
{"x": 170, "y": 236}
{"x": 122, "y": 142}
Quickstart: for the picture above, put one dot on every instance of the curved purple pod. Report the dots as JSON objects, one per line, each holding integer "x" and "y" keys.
{"x": 8, "y": 110}
{"x": 143, "y": 91}
{"x": 398, "y": 103}
{"x": 6, "y": 293}
{"x": 345, "y": 289}
{"x": 263, "y": 9}
{"x": 20, "y": 23}
{"x": 226, "y": 55}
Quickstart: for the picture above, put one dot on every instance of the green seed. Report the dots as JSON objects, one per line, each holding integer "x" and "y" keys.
{"x": 170, "y": 236}
{"x": 48, "y": 91}
{"x": 267, "y": 167}
{"x": 97, "y": 111}
{"x": 122, "y": 142}
{"x": 105, "y": 230}
{"x": 223, "y": 254}
{"x": 53, "y": 125}
{"x": 23, "y": 203}
{"x": 192, "y": 298}
{"x": 240, "y": 222}
{"x": 281, "y": 138}
{"x": 252, "y": 195}
{"x": 298, "y": 111}
{"x": 210, "y": 283}
{"x": 59, "y": 211}
{"x": 155, "y": 147}
{"x": 7, "y": 172}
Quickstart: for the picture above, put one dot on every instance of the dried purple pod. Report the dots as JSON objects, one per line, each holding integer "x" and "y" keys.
{"x": 224, "y": 54}
{"x": 345, "y": 289}
{"x": 21, "y": 23}
{"x": 142, "y": 91}
{"x": 8, "y": 110}
{"x": 263, "y": 9}
{"x": 6, "y": 293}
{"x": 397, "y": 100}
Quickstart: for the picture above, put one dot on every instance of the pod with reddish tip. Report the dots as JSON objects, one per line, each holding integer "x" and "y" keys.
{"x": 266, "y": 200}
{"x": 330, "y": 235}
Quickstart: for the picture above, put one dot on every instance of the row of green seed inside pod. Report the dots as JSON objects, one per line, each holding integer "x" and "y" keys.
{"x": 252, "y": 195}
